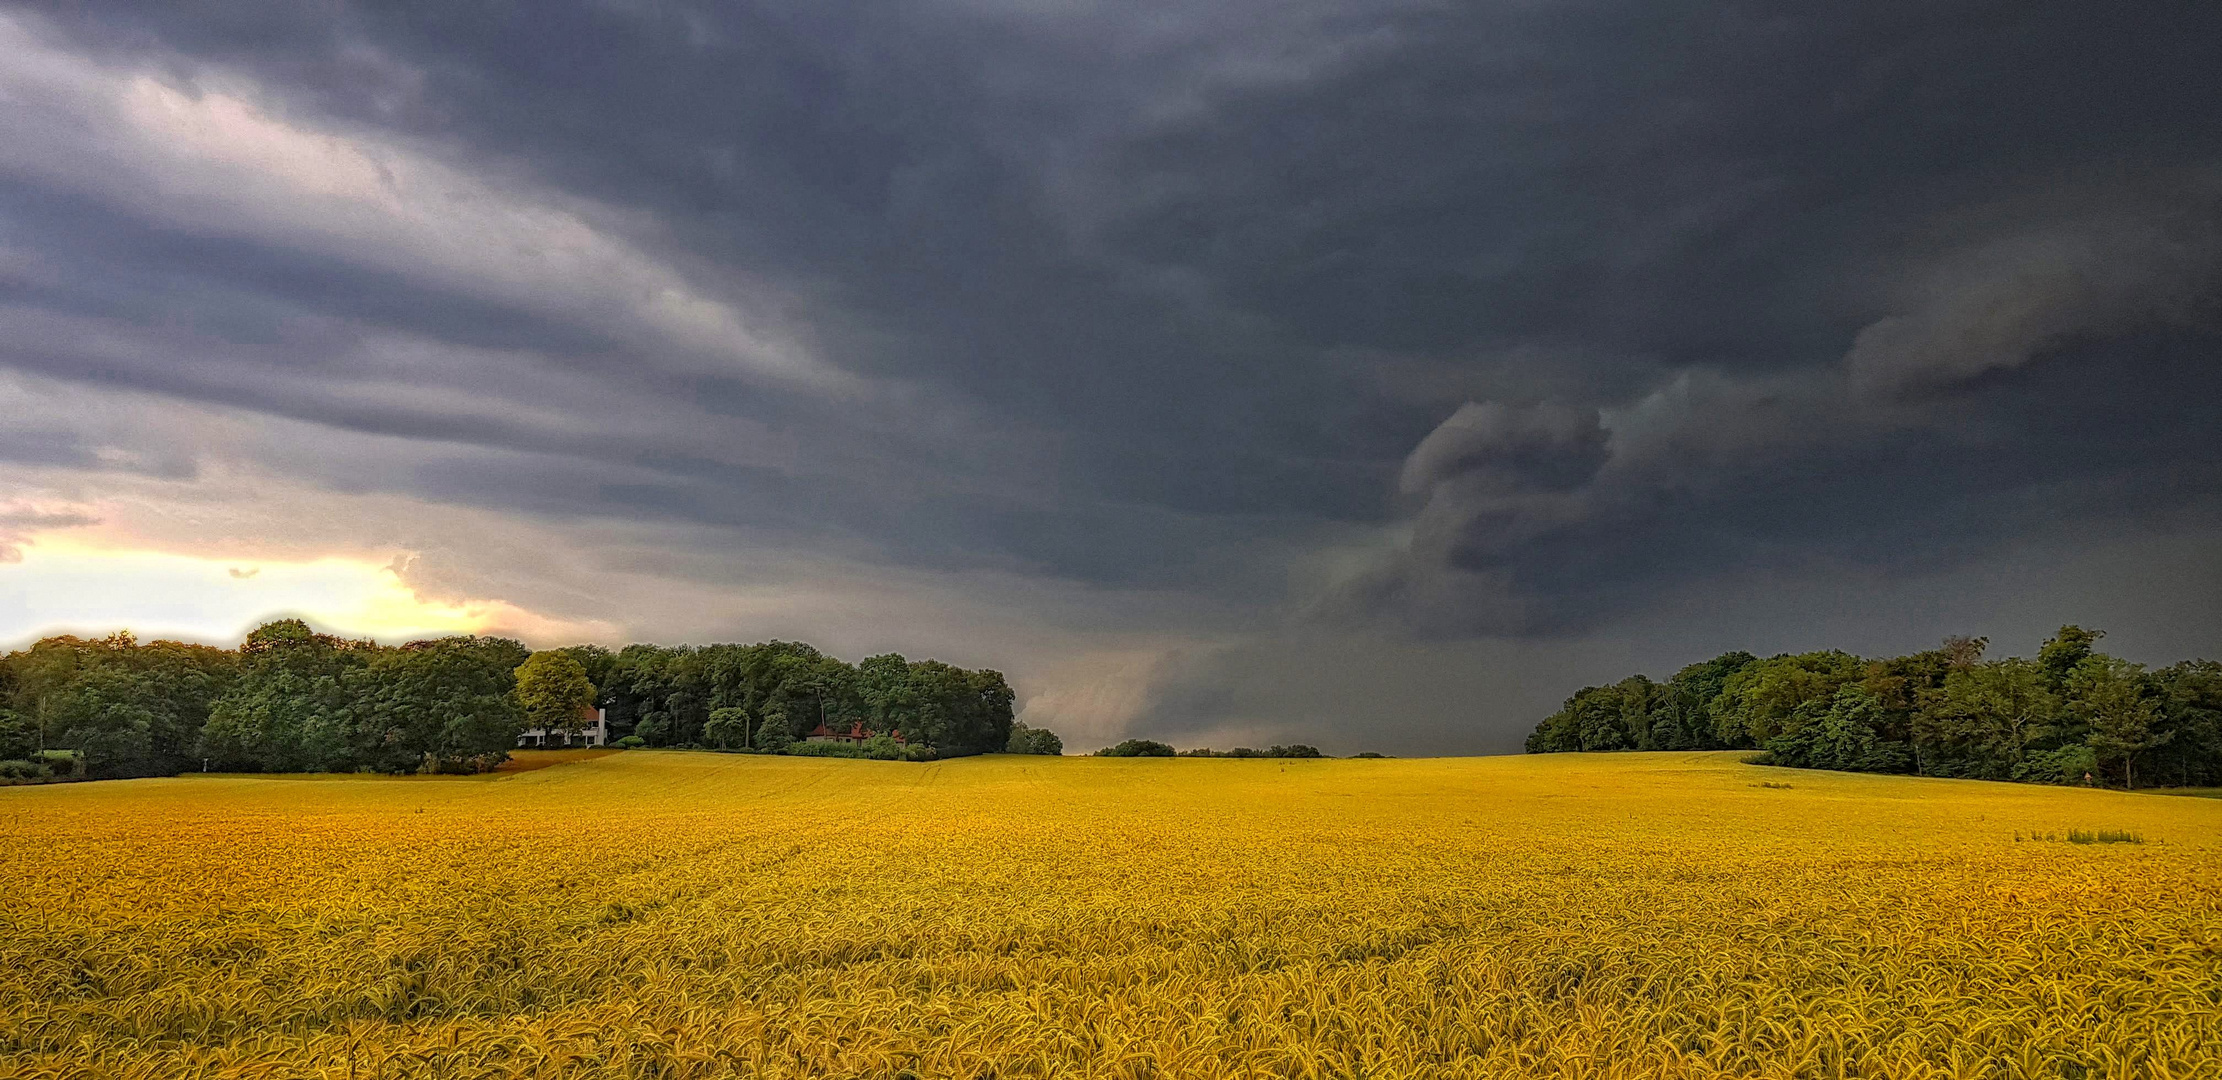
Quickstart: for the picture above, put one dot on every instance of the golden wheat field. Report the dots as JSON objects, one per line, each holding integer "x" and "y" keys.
{"x": 699, "y": 915}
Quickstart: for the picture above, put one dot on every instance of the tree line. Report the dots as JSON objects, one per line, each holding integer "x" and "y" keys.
{"x": 289, "y": 699}
{"x": 1153, "y": 748}
{"x": 768, "y": 697}
{"x": 2071, "y": 715}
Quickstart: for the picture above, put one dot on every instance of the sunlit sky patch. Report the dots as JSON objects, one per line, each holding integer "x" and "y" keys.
{"x": 66, "y": 587}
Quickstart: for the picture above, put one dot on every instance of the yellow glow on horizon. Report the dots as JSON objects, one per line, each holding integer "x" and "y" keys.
{"x": 64, "y": 587}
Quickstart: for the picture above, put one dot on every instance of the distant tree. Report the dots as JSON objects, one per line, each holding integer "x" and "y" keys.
{"x": 1840, "y": 734}
{"x": 1910, "y": 690}
{"x": 1616, "y": 717}
{"x": 2114, "y": 700}
{"x": 1682, "y": 718}
{"x": 1559, "y": 732}
{"x": 128, "y": 709}
{"x": 292, "y": 699}
{"x": 772, "y": 736}
{"x": 728, "y": 729}
{"x": 19, "y": 738}
{"x": 554, "y": 692}
{"x": 884, "y": 685}
{"x": 444, "y": 705}
{"x": 954, "y": 710}
{"x": 1993, "y": 713}
{"x": 2065, "y": 651}
{"x": 1762, "y": 699}
{"x": 1033, "y": 740}
{"x": 110, "y": 715}
{"x": 1137, "y": 748}
{"x": 1295, "y": 750}
{"x": 2190, "y": 695}
{"x": 292, "y": 709}
{"x": 596, "y": 661}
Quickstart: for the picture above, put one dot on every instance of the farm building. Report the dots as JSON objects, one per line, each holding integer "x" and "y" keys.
{"x": 592, "y": 729}
{"x": 855, "y": 734}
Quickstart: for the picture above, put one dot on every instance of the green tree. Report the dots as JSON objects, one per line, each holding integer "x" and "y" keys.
{"x": 2191, "y": 715}
{"x": 1137, "y": 748}
{"x": 554, "y": 692}
{"x": 1615, "y": 717}
{"x": 1839, "y": 734}
{"x": 728, "y": 729}
{"x": 884, "y": 684}
{"x": 293, "y": 707}
{"x": 595, "y": 660}
{"x": 19, "y": 738}
{"x": 1994, "y": 713}
{"x": 1033, "y": 740}
{"x": 109, "y": 715}
{"x": 1762, "y": 699}
{"x": 775, "y": 733}
{"x": 1683, "y": 719}
{"x": 444, "y": 705}
{"x": 128, "y": 709}
{"x": 2065, "y": 651}
{"x": 2114, "y": 700}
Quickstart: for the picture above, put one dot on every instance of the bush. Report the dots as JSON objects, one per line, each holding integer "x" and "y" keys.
{"x": 60, "y": 762}
{"x": 2067, "y": 765}
{"x": 772, "y": 736}
{"x": 1137, "y": 748}
{"x": 22, "y": 770}
{"x": 2104, "y": 836}
{"x": 458, "y": 764}
{"x": 823, "y": 749}
{"x": 876, "y": 748}
{"x": 630, "y": 742}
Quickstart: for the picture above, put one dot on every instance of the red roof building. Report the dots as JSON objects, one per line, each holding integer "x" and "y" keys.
{"x": 822, "y": 733}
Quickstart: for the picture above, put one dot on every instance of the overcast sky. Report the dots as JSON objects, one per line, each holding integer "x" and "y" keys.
{"x": 1369, "y": 373}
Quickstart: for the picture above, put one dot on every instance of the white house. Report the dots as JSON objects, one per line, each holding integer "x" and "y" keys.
{"x": 593, "y": 730}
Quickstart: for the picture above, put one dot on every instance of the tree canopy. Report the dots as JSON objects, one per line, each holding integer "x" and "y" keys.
{"x": 554, "y": 691}
{"x": 290, "y": 699}
{"x": 2071, "y": 715}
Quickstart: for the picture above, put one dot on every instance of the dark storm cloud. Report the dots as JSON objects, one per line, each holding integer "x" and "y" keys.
{"x": 1592, "y": 300}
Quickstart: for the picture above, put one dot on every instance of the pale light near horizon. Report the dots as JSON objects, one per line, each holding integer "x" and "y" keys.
{"x": 66, "y": 587}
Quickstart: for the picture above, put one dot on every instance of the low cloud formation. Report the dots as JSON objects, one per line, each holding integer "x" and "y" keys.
{"x": 205, "y": 156}
{"x": 2140, "y": 260}
{"x": 19, "y": 523}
